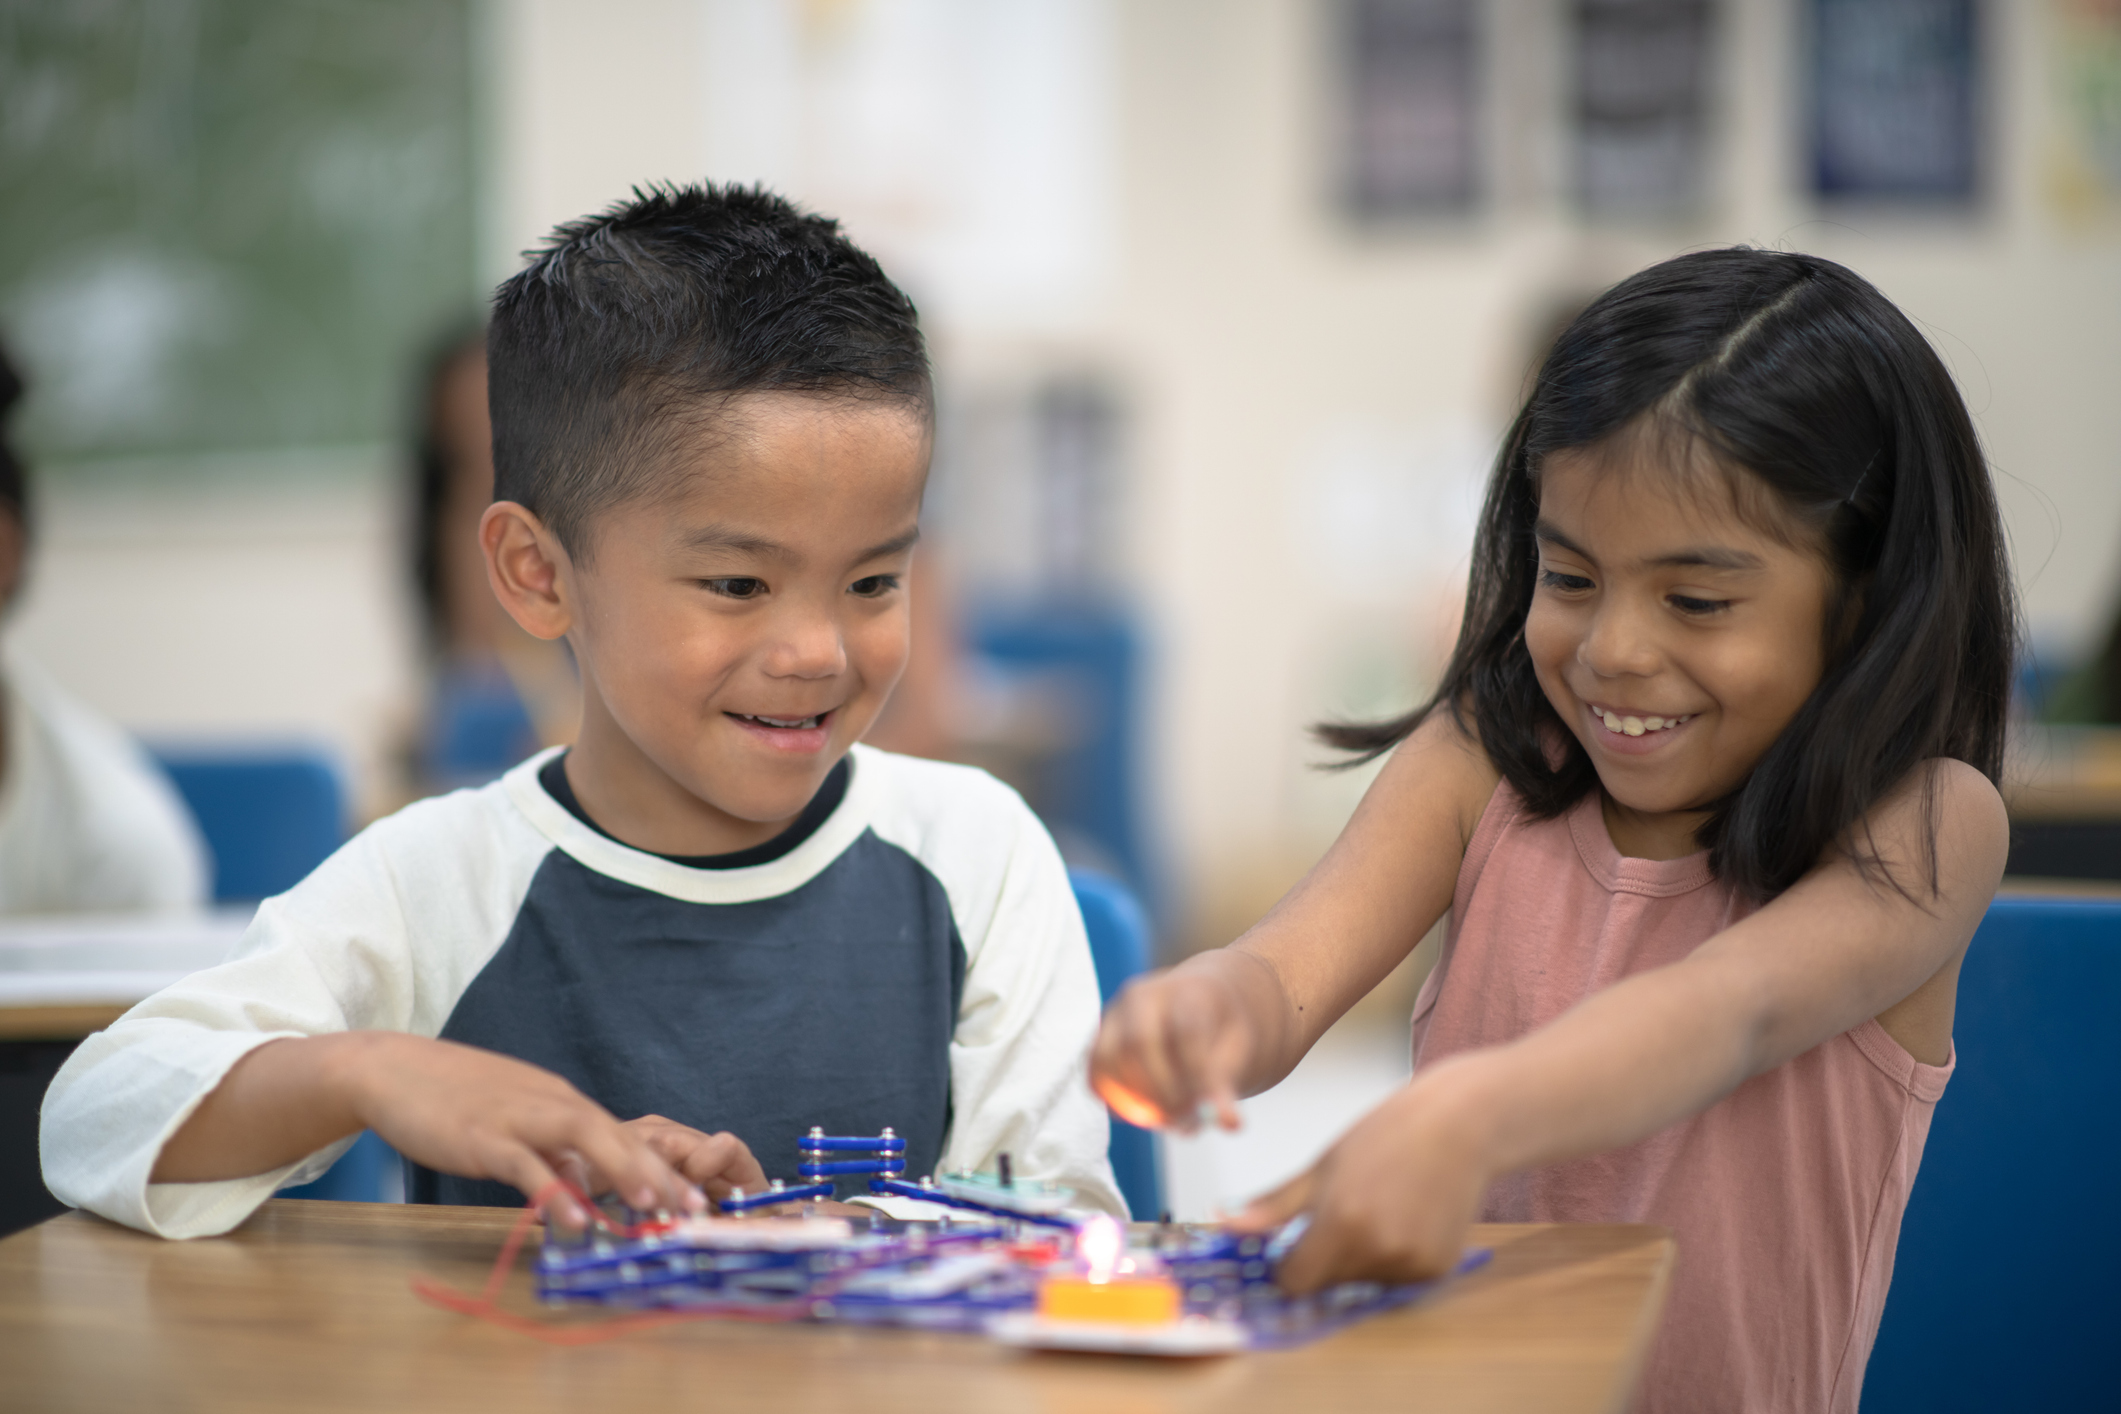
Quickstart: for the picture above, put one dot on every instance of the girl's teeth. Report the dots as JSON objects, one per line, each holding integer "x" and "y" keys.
{"x": 1635, "y": 726}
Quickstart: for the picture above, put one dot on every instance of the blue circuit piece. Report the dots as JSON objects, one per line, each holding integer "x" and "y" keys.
{"x": 885, "y": 1143}
{"x": 781, "y": 1194}
{"x": 900, "y": 1188}
{"x": 825, "y": 1170}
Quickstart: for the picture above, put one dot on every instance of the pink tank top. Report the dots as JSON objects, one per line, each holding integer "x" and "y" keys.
{"x": 1785, "y": 1195}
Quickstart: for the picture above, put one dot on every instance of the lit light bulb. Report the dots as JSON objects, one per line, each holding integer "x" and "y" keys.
{"x": 1134, "y": 1109}
{"x": 1101, "y": 1242}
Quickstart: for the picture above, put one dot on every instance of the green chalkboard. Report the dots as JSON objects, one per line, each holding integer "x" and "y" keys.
{"x": 230, "y": 225}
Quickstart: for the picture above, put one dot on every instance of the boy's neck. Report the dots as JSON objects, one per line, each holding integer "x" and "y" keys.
{"x": 637, "y": 803}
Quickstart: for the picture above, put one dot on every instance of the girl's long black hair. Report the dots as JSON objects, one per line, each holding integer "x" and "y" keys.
{"x": 1799, "y": 372}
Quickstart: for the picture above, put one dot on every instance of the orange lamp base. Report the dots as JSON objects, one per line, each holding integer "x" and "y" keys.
{"x": 1123, "y": 1301}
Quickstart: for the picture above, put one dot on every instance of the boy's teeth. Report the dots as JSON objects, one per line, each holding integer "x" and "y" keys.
{"x": 785, "y": 721}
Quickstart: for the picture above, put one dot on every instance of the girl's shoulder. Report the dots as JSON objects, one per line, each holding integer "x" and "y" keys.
{"x": 1442, "y": 767}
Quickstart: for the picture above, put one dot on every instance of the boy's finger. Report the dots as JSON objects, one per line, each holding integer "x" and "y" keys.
{"x": 716, "y": 1162}
{"x": 630, "y": 1167}
{"x": 519, "y": 1166}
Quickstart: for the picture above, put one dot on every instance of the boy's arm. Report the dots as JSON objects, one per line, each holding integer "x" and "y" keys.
{"x": 231, "y": 1048}
{"x": 1393, "y": 1198}
{"x": 454, "y": 1108}
{"x": 1026, "y": 1019}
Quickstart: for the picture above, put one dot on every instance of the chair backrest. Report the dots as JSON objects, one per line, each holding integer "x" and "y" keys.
{"x": 1119, "y": 946}
{"x": 270, "y": 815}
{"x": 2002, "y": 1287}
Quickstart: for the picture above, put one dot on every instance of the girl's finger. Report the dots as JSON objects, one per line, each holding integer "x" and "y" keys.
{"x": 1271, "y": 1210}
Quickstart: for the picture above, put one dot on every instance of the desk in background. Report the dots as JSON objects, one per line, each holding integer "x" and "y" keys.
{"x": 307, "y": 1307}
{"x": 2063, "y": 787}
{"x": 60, "y": 980}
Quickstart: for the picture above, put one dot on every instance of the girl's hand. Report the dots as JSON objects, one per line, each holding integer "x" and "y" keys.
{"x": 1390, "y": 1202}
{"x": 1174, "y": 1043}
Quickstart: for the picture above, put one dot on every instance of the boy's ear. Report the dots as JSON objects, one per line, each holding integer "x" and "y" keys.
{"x": 528, "y": 569}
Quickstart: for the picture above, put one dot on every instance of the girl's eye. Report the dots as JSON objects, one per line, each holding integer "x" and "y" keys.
{"x": 736, "y": 588}
{"x": 1701, "y": 608}
{"x": 1566, "y": 583}
{"x": 874, "y": 586}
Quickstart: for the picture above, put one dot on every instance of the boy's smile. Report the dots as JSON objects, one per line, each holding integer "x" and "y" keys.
{"x": 1674, "y": 638}
{"x": 739, "y": 633}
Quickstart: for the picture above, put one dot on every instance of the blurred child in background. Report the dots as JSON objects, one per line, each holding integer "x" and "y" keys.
{"x": 495, "y": 693}
{"x": 1709, "y": 792}
{"x": 87, "y": 822}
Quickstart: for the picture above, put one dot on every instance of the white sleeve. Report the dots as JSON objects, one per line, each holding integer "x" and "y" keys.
{"x": 332, "y": 954}
{"x": 1018, "y": 1078}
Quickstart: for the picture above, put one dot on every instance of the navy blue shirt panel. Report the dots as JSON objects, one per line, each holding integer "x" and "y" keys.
{"x": 831, "y": 1005}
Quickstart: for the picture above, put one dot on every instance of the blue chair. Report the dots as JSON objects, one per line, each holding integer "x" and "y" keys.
{"x": 269, "y": 816}
{"x": 2002, "y": 1293}
{"x": 1088, "y": 789}
{"x": 1119, "y": 946}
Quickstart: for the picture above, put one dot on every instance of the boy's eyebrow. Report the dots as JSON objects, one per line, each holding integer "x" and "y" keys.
{"x": 1715, "y": 557}
{"x": 716, "y": 537}
{"x": 898, "y": 544}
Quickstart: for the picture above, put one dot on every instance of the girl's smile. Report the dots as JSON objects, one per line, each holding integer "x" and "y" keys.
{"x": 1675, "y": 637}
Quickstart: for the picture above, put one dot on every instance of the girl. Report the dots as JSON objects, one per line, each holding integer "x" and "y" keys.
{"x": 1709, "y": 790}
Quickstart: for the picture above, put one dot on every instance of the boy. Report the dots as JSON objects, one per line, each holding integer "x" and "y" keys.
{"x": 87, "y": 823}
{"x": 711, "y": 430}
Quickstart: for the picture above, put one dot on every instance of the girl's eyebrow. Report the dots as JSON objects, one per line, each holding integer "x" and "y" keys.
{"x": 1715, "y": 557}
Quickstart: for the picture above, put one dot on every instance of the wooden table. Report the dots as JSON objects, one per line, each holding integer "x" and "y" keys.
{"x": 306, "y": 1307}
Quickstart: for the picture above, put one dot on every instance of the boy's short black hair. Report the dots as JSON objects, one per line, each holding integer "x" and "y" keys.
{"x": 631, "y": 330}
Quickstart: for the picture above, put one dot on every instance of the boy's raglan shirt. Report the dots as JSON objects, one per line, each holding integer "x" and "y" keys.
{"x": 917, "y": 961}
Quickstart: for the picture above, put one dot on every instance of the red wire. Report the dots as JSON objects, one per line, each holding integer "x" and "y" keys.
{"x": 485, "y": 1306}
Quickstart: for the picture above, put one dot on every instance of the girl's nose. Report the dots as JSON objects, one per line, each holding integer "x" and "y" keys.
{"x": 1619, "y": 643}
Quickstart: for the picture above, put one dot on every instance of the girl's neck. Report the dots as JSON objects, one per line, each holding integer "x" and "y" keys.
{"x": 1667, "y": 835}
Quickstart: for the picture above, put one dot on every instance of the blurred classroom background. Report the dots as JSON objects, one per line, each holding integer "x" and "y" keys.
{"x": 1229, "y": 300}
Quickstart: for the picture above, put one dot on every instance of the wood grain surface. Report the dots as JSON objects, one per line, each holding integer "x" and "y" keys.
{"x": 307, "y": 1307}
{"x": 55, "y": 1023}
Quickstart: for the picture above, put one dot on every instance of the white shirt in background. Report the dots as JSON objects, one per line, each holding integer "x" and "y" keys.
{"x": 87, "y": 823}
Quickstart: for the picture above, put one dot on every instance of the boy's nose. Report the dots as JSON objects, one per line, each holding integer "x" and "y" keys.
{"x": 807, "y": 647}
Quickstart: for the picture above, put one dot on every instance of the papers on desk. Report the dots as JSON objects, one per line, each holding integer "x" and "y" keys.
{"x": 109, "y": 959}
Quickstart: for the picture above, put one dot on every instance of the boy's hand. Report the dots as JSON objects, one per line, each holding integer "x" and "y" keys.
{"x": 1390, "y": 1202}
{"x": 716, "y": 1163}
{"x": 465, "y": 1111}
{"x": 1174, "y": 1043}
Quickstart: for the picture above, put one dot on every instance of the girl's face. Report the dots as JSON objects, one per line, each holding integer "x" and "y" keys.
{"x": 1676, "y": 640}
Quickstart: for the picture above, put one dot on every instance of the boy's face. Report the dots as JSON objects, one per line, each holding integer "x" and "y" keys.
{"x": 739, "y": 635}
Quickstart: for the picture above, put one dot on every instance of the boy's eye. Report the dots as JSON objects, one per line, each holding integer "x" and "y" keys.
{"x": 1687, "y": 604}
{"x": 874, "y": 586}
{"x": 736, "y": 588}
{"x": 1567, "y": 583}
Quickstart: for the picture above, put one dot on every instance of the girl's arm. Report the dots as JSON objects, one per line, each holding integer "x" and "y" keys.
{"x": 1233, "y": 1021}
{"x": 1394, "y": 1197}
